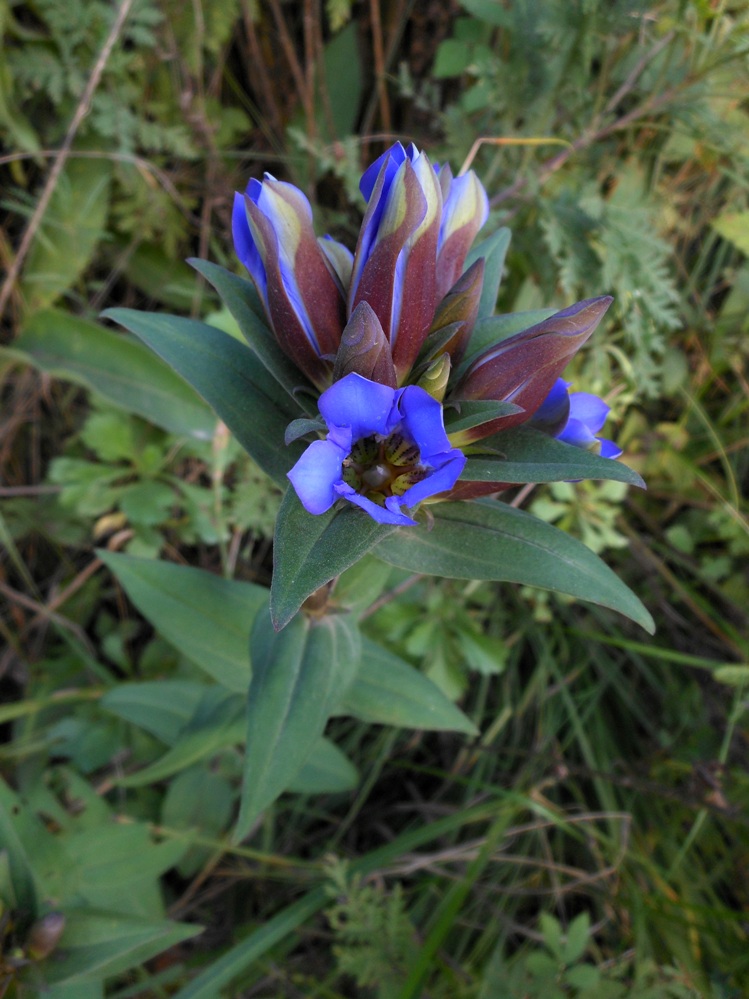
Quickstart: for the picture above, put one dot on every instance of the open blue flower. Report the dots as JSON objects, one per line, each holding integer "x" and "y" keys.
{"x": 386, "y": 450}
{"x": 575, "y": 418}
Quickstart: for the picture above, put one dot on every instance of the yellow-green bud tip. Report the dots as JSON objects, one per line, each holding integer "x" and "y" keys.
{"x": 434, "y": 379}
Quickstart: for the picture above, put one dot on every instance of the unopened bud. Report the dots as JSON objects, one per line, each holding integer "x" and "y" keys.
{"x": 364, "y": 349}
{"x": 44, "y": 935}
{"x": 434, "y": 379}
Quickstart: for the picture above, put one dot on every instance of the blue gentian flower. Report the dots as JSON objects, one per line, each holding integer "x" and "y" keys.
{"x": 386, "y": 450}
{"x": 575, "y": 418}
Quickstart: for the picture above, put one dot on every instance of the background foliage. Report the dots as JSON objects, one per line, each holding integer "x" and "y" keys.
{"x": 578, "y": 826}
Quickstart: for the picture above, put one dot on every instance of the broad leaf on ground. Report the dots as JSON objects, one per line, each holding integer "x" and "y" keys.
{"x": 206, "y": 617}
{"x": 114, "y": 366}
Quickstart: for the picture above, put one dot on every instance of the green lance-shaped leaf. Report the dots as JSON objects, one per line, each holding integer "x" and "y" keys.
{"x": 523, "y": 454}
{"x": 494, "y": 250}
{"x": 299, "y": 676}
{"x": 18, "y": 829}
{"x": 486, "y": 539}
{"x": 217, "y": 724}
{"x": 161, "y": 707}
{"x": 97, "y": 945}
{"x": 114, "y": 366}
{"x": 327, "y": 770}
{"x": 388, "y": 691}
{"x": 308, "y": 551}
{"x": 230, "y": 378}
{"x": 469, "y": 413}
{"x": 204, "y": 616}
{"x": 243, "y": 301}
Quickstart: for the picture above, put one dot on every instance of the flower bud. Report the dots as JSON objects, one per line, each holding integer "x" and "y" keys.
{"x": 364, "y": 349}
{"x": 465, "y": 209}
{"x": 274, "y": 239}
{"x": 434, "y": 380}
{"x": 395, "y": 261}
{"x": 460, "y": 305}
{"x": 44, "y": 935}
{"x": 340, "y": 259}
{"x": 523, "y": 368}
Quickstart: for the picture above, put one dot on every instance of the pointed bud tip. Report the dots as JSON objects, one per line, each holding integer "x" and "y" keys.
{"x": 435, "y": 378}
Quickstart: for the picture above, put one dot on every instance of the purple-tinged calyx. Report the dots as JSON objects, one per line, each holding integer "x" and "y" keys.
{"x": 523, "y": 368}
{"x": 386, "y": 451}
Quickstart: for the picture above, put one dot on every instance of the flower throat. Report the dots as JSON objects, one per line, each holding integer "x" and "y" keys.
{"x": 379, "y": 467}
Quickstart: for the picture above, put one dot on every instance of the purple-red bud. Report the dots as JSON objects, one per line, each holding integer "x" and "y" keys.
{"x": 275, "y": 240}
{"x": 364, "y": 349}
{"x": 523, "y": 368}
{"x": 465, "y": 209}
{"x": 395, "y": 260}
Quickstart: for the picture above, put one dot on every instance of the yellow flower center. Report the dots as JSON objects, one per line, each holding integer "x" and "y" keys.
{"x": 379, "y": 467}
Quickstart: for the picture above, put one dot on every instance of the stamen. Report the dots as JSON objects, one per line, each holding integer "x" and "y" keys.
{"x": 365, "y": 451}
{"x": 399, "y": 451}
{"x": 350, "y": 476}
{"x": 402, "y": 483}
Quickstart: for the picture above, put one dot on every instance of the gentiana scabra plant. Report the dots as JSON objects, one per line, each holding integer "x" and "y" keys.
{"x": 380, "y": 391}
{"x": 410, "y": 309}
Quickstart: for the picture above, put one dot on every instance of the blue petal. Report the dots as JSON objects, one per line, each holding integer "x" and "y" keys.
{"x": 554, "y": 401}
{"x": 255, "y": 189}
{"x": 609, "y": 449}
{"x": 381, "y": 514}
{"x": 422, "y": 420}
{"x": 360, "y": 404}
{"x": 444, "y": 477}
{"x": 391, "y": 159}
{"x": 589, "y": 409}
{"x": 315, "y": 475}
{"x": 577, "y": 433}
{"x": 244, "y": 244}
